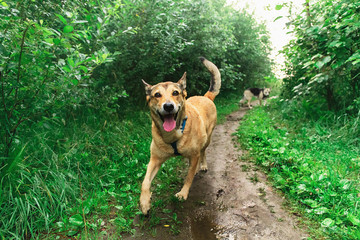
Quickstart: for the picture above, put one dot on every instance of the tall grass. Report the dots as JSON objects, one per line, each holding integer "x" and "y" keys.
{"x": 82, "y": 174}
{"x": 314, "y": 160}
{"x": 74, "y": 168}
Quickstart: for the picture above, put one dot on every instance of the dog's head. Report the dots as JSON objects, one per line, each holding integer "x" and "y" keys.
{"x": 166, "y": 101}
{"x": 267, "y": 91}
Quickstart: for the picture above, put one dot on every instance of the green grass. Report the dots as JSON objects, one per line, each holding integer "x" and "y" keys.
{"x": 226, "y": 105}
{"x": 75, "y": 172}
{"x": 81, "y": 176}
{"x": 314, "y": 161}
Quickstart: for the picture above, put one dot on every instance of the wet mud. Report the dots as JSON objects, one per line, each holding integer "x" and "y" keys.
{"x": 232, "y": 200}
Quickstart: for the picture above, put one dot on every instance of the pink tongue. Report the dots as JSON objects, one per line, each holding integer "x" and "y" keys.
{"x": 169, "y": 123}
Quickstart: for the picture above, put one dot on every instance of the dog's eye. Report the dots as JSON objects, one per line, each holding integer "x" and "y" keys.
{"x": 175, "y": 93}
{"x": 157, "y": 95}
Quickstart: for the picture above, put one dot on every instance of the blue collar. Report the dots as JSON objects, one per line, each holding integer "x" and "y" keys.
{"x": 173, "y": 144}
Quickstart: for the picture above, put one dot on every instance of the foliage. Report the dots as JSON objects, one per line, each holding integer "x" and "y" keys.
{"x": 226, "y": 105}
{"x": 323, "y": 61}
{"x": 167, "y": 37}
{"x": 76, "y": 176}
{"x": 74, "y": 138}
{"x": 314, "y": 162}
{"x": 48, "y": 52}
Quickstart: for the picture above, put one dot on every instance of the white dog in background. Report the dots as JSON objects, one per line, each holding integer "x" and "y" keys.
{"x": 260, "y": 93}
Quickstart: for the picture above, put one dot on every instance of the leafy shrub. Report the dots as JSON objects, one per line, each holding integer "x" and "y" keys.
{"x": 314, "y": 162}
{"x": 323, "y": 61}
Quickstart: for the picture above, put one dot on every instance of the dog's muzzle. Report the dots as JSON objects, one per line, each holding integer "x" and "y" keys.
{"x": 168, "y": 114}
{"x": 168, "y": 107}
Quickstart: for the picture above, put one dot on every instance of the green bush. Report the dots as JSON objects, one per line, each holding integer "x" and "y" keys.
{"x": 72, "y": 130}
{"x": 323, "y": 61}
{"x": 315, "y": 163}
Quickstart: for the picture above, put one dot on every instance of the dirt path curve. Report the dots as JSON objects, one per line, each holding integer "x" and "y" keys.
{"x": 232, "y": 200}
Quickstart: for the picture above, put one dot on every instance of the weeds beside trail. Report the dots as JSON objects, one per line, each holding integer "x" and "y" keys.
{"x": 82, "y": 176}
{"x": 313, "y": 160}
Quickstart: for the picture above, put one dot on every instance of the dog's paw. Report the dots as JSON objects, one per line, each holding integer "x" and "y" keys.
{"x": 181, "y": 196}
{"x": 145, "y": 203}
{"x": 203, "y": 169}
{"x": 145, "y": 207}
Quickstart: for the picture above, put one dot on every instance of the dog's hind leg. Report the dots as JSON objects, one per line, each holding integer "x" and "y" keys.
{"x": 203, "y": 164}
{"x": 194, "y": 161}
{"x": 242, "y": 101}
{"x": 249, "y": 103}
{"x": 152, "y": 169}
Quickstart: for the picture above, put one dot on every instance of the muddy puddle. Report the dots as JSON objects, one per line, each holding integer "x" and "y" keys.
{"x": 203, "y": 228}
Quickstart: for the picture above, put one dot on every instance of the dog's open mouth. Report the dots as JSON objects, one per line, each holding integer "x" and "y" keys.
{"x": 169, "y": 121}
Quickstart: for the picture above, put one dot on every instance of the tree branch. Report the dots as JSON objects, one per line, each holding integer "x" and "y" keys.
{"x": 19, "y": 65}
{"x": 3, "y": 92}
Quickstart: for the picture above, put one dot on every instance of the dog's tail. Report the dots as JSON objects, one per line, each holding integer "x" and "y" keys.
{"x": 215, "y": 82}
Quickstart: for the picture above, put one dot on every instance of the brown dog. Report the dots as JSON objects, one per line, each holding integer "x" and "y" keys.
{"x": 179, "y": 127}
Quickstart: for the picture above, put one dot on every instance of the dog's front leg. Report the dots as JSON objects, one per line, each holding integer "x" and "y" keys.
{"x": 153, "y": 167}
{"x": 194, "y": 162}
{"x": 249, "y": 104}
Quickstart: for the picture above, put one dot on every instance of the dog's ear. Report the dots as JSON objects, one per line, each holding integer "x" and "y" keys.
{"x": 147, "y": 87}
{"x": 182, "y": 82}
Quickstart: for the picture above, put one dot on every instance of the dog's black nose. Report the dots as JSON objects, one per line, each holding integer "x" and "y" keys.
{"x": 168, "y": 107}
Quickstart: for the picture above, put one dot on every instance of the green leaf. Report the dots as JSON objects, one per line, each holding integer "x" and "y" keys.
{"x": 282, "y": 150}
{"x": 310, "y": 203}
{"x": 76, "y": 220}
{"x": 355, "y": 221}
{"x": 56, "y": 41}
{"x": 278, "y": 7}
{"x": 321, "y": 210}
{"x": 49, "y": 40}
{"x": 71, "y": 62}
{"x": 326, "y": 59}
{"x": 68, "y": 29}
{"x": 322, "y": 62}
{"x": 60, "y": 224}
{"x": 84, "y": 69}
{"x": 67, "y": 69}
{"x": 62, "y": 19}
{"x": 4, "y": 4}
{"x": 279, "y": 17}
{"x": 354, "y": 57}
{"x": 71, "y": 233}
{"x": 86, "y": 209}
{"x": 80, "y": 21}
{"x": 328, "y": 222}
{"x": 345, "y": 184}
{"x": 75, "y": 82}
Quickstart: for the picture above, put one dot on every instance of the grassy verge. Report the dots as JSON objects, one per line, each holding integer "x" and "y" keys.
{"x": 226, "y": 105}
{"x": 75, "y": 175}
{"x": 81, "y": 177}
{"x": 314, "y": 161}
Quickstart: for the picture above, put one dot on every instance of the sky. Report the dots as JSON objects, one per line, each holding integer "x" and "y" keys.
{"x": 264, "y": 10}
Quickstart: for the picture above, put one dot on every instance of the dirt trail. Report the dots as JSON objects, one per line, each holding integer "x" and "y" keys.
{"x": 231, "y": 201}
